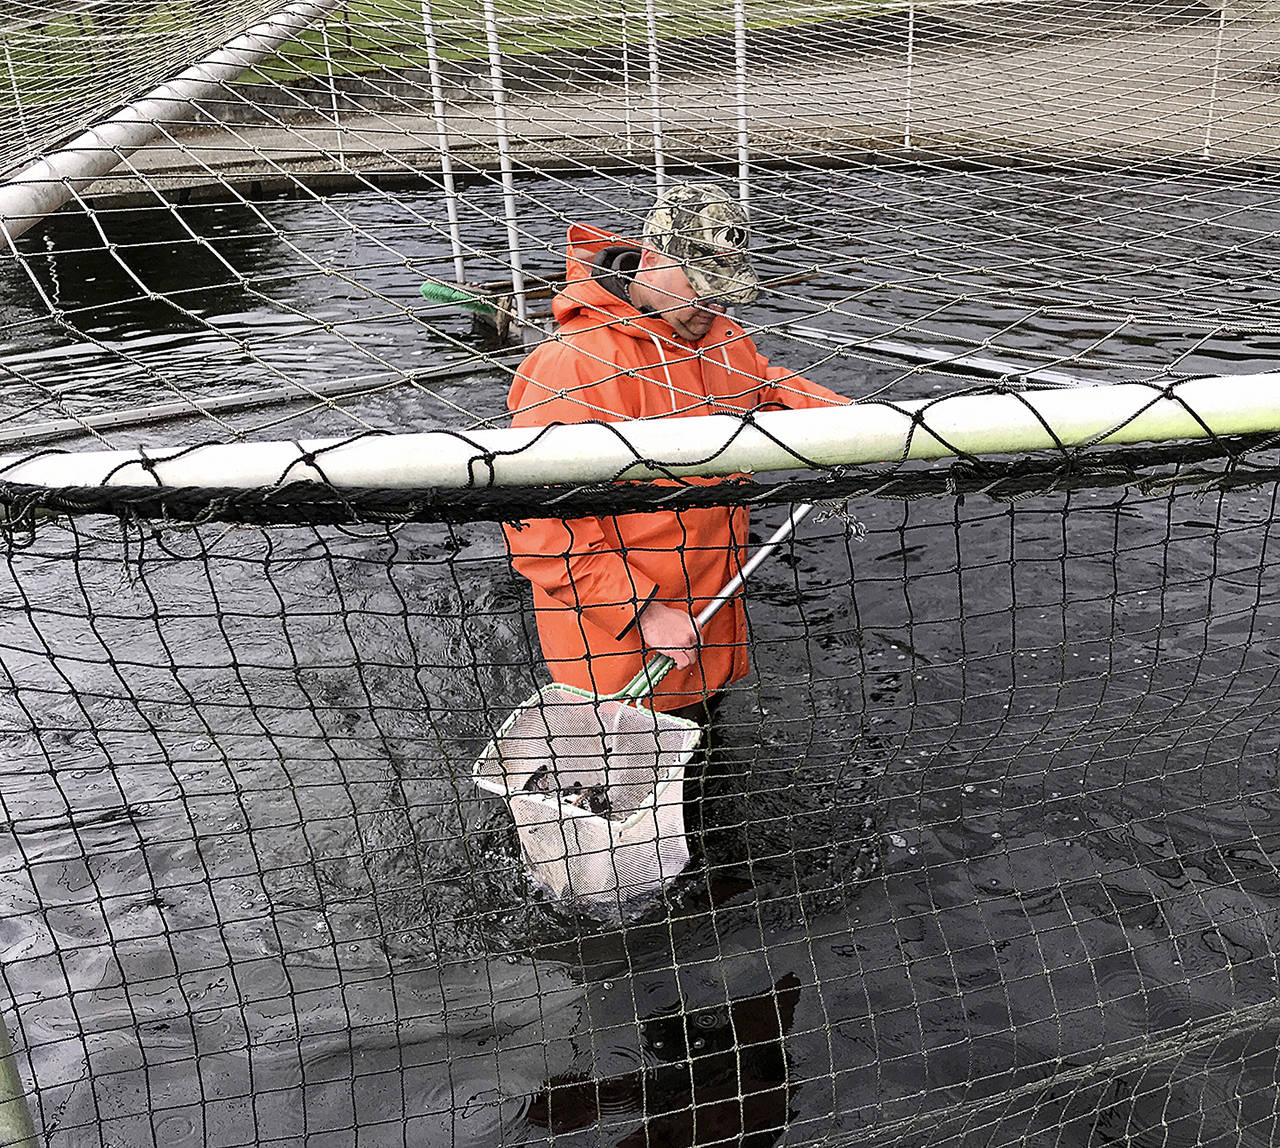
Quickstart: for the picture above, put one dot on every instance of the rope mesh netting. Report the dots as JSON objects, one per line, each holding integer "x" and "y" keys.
{"x": 68, "y": 65}
{"x": 982, "y": 848}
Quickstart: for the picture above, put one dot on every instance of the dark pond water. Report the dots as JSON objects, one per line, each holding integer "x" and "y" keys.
{"x": 985, "y": 850}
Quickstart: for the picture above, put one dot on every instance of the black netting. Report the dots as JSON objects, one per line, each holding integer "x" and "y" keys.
{"x": 982, "y": 848}
{"x": 1222, "y": 463}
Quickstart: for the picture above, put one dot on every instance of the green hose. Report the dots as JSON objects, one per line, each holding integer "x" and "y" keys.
{"x": 459, "y": 297}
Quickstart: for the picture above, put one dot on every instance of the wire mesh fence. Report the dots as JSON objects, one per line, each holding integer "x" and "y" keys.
{"x": 65, "y": 67}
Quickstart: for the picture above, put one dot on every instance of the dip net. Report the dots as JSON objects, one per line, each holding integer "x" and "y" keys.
{"x": 982, "y": 851}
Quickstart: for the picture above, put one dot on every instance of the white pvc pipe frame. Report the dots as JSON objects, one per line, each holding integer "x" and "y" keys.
{"x": 600, "y": 452}
{"x": 49, "y": 183}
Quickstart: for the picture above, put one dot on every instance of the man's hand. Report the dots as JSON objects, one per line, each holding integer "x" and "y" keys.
{"x": 668, "y": 631}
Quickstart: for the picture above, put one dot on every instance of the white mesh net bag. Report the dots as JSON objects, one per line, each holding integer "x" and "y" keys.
{"x": 596, "y": 784}
{"x": 596, "y": 788}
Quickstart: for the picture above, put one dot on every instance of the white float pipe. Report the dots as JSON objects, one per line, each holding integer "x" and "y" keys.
{"x": 442, "y": 141}
{"x": 46, "y": 185}
{"x": 601, "y": 452}
{"x": 497, "y": 86}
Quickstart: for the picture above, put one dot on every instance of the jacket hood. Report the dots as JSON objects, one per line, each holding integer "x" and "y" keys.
{"x": 585, "y": 302}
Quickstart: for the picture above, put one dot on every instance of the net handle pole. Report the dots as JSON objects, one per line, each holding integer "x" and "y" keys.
{"x": 661, "y": 665}
{"x": 775, "y": 540}
{"x": 17, "y": 1129}
{"x": 46, "y": 185}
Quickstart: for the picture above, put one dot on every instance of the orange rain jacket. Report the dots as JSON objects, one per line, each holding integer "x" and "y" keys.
{"x": 592, "y": 576}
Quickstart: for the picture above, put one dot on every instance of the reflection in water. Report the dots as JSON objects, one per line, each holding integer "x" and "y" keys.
{"x": 711, "y": 1076}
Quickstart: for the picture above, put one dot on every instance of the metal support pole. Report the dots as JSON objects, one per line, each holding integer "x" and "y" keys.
{"x": 626, "y": 81}
{"x": 17, "y": 1129}
{"x": 740, "y": 68}
{"x": 655, "y": 93}
{"x": 911, "y": 67}
{"x": 1213, "y": 86}
{"x": 442, "y": 141}
{"x": 504, "y": 157}
{"x": 333, "y": 92}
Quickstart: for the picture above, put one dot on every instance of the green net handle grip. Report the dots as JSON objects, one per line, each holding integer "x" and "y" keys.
{"x": 659, "y": 666}
{"x": 457, "y": 297}
{"x": 646, "y": 681}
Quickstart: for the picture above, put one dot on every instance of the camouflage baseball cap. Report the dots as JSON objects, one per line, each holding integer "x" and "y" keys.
{"x": 705, "y": 231}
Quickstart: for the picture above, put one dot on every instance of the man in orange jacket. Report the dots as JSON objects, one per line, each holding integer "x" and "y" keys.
{"x": 643, "y": 334}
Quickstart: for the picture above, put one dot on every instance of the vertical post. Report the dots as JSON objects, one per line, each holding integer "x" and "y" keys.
{"x": 740, "y": 68}
{"x": 442, "y": 141}
{"x": 17, "y": 96}
{"x": 1213, "y": 87}
{"x": 17, "y": 1130}
{"x": 655, "y": 93}
{"x": 911, "y": 67}
{"x": 626, "y": 81}
{"x": 333, "y": 92}
{"x": 504, "y": 157}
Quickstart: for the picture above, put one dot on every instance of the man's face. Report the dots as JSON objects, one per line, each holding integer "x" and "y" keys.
{"x": 665, "y": 287}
